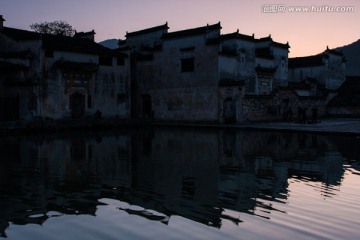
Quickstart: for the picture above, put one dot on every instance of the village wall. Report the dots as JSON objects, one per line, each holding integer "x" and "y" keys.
{"x": 244, "y": 53}
{"x": 149, "y": 39}
{"x": 335, "y": 71}
{"x": 185, "y": 104}
{"x": 104, "y": 88}
{"x": 281, "y": 62}
{"x": 178, "y": 93}
{"x": 20, "y": 100}
{"x": 56, "y": 90}
{"x": 282, "y": 105}
{"x": 343, "y": 111}
{"x": 300, "y": 74}
{"x": 231, "y": 104}
{"x": 111, "y": 89}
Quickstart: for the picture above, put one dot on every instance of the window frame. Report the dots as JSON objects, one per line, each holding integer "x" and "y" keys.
{"x": 187, "y": 64}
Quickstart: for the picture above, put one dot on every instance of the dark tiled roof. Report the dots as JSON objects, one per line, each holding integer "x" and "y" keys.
{"x": 230, "y": 83}
{"x": 309, "y": 61}
{"x": 121, "y": 42}
{"x": 192, "y": 31}
{"x": 264, "y": 53}
{"x": 300, "y": 85}
{"x": 237, "y": 35}
{"x": 273, "y": 43}
{"x": 228, "y": 53}
{"x": 281, "y": 45}
{"x": 124, "y": 48}
{"x": 334, "y": 52}
{"x": 71, "y": 44}
{"x": 75, "y": 66}
{"x": 145, "y": 57}
{"x": 19, "y": 55}
{"x": 84, "y": 34}
{"x": 348, "y": 93}
{"x": 154, "y": 48}
{"x": 8, "y": 66}
{"x": 265, "y": 70}
{"x": 18, "y": 34}
{"x": 119, "y": 53}
{"x": 254, "y": 96}
{"x": 147, "y": 30}
{"x": 265, "y": 39}
{"x": 314, "y": 60}
{"x": 57, "y": 42}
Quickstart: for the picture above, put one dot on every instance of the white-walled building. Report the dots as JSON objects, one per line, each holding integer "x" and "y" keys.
{"x": 326, "y": 69}
{"x": 60, "y": 77}
{"x": 200, "y": 75}
{"x": 190, "y": 75}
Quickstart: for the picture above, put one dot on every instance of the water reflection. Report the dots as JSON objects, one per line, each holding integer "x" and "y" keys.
{"x": 196, "y": 174}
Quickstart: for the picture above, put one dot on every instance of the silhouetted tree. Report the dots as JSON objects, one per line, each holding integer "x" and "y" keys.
{"x": 55, "y": 28}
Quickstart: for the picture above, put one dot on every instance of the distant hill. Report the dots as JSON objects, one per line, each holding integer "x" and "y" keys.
{"x": 110, "y": 43}
{"x": 352, "y": 56}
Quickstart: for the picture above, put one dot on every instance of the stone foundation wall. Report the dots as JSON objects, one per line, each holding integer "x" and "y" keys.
{"x": 185, "y": 104}
{"x": 282, "y": 105}
{"x": 343, "y": 111}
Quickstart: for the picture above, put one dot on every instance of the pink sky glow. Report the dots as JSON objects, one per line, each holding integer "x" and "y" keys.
{"x": 308, "y": 33}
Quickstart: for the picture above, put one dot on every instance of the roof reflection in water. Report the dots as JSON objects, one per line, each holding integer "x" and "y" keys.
{"x": 201, "y": 175}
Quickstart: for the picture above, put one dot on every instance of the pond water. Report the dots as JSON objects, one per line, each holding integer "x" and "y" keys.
{"x": 180, "y": 183}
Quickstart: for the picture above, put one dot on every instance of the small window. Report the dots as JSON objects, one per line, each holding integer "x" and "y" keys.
{"x": 187, "y": 65}
{"x": 283, "y": 62}
{"x": 89, "y": 101}
{"x": 120, "y": 61}
{"x": 49, "y": 53}
{"x": 121, "y": 98}
{"x": 242, "y": 58}
{"x": 105, "y": 61}
{"x": 188, "y": 49}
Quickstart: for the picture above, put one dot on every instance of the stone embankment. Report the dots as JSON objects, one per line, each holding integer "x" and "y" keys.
{"x": 329, "y": 126}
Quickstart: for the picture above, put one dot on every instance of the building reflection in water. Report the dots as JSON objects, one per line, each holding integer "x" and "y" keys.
{"x": 196, "y": 174}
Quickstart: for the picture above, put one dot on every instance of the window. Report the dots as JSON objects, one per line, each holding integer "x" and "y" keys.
{"x": 283, "y": 62}
{"x": 242, "y": 58}
{"x": 120, "y": 61}
{"x": 188, "y": 49}
{"x": 242, "y": 55}
{"x": 49, "y": 53}
{"x": 105, "y": 61}
{"x": 121, "y": 98}
{"x": 89, "y": 101}
{"x": 187, "y": 65}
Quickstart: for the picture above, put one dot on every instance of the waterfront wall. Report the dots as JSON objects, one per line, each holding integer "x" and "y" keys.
{"x": 282, "y": 105}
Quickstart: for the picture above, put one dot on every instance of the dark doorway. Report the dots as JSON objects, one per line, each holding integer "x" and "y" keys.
{"x": 77, "y": 105}
{"x": 146, "y": 107}
{"x": 229, "y": 111}
{"x": 9, "y": 109}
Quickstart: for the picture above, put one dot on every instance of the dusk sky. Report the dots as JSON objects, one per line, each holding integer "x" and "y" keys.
{"x": 307, "y": 32}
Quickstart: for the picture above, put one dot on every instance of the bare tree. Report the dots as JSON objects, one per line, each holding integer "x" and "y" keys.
{"x": 55, "y": 28}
